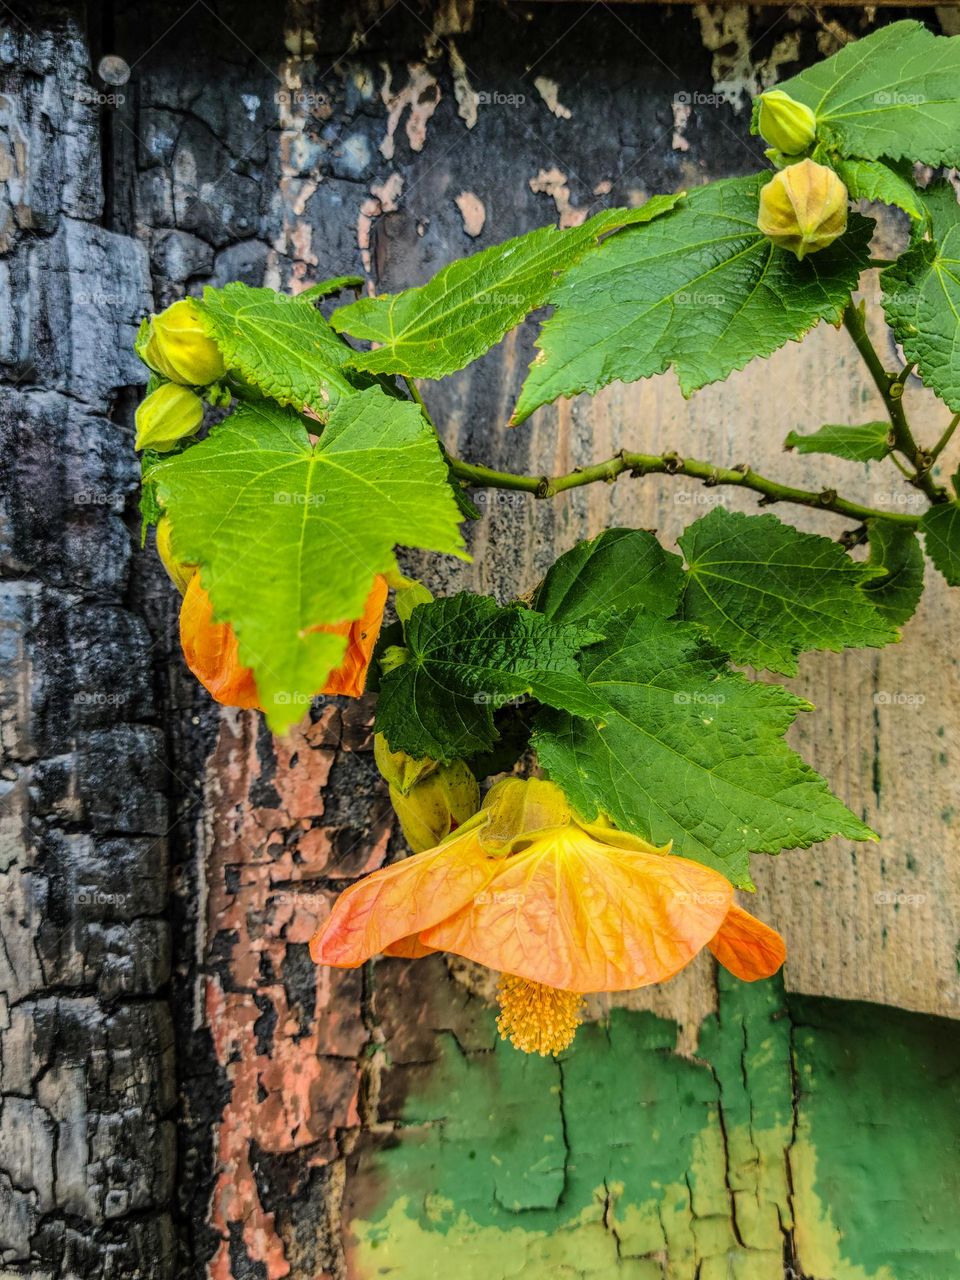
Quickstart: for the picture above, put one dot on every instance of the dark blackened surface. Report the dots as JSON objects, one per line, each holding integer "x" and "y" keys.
{"x": 87, "y": 1098}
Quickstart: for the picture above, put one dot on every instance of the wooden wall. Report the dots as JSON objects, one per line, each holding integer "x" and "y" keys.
{"x": 183, "y": 1095}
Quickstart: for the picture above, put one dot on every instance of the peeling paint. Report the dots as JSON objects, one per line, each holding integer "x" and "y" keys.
{"x": 553, "y": 183}
{"x": 453, "y": 17}
{"x": 681, "y": 117}
{"x": 290, "y": 1065}
{"x": 297, "y": 111}
{"x": 383, "y": 198}
{"x": 626, "y": 1158}
{"x": 472, "y": 211}
{"x": 549, "y": 91}
{"x": 463, "y": 90}
{"x": 738, "y": 74}
{"x": 419, "y": 97}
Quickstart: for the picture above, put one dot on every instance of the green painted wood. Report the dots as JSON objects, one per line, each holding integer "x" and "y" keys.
{"x": 806, "y": 1138}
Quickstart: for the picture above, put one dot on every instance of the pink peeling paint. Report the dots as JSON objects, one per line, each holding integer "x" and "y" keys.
{"x": 304, "y": 1090}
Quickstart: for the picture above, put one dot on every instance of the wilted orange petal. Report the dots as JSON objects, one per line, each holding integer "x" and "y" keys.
{"x": 402, "y": 899}
{"x": 747, "y": 947}
{"x": 351, "y": 676}
{"x": 573, "y": 913}
{"x": 211, "y": 651}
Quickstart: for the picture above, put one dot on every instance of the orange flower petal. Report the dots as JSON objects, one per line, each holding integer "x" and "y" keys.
{"x": 405, "y": 898}
{"x": 747, "y": 947}
{"x": 211, "y": 651}
{"x": 351, "y": 676}
{"x": 572, "y": 913}
{"x": 410, "y": 948}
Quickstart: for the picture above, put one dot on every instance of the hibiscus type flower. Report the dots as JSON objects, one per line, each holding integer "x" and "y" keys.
{"x": 212, "y": 652}
{"x": 561, "y": 907}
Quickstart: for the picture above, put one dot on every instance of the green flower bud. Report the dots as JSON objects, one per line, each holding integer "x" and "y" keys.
{"x": 178, "y": 346}
{"x": 442, "y": 801}
{"x": 803, "y": 208}
{"x": 788, "y": 125}
{"x": 399, "y": 769}
{"x": 166, "y": 416}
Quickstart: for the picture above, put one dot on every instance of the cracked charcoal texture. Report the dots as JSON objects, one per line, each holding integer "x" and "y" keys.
{"x": 182, "y": 1095}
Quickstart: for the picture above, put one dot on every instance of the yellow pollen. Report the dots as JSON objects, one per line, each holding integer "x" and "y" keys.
{"x": 536, "y": 1018}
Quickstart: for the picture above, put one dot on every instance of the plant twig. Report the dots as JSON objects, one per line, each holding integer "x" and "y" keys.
{"x": 890, "y": 386}
{"x": 944, "y": 440}
{"x": 641, "y": 464}
{"x": 416, "y": 396}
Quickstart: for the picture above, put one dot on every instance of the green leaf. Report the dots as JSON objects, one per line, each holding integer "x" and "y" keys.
{"x": 467, "y": 658}
{"x": 868, "y": 442}
{"x": 469, "y": 305}
{"x": 689, "y": 751}
{"x": 619, "y": 570}
{"x": 941, "y": 536}
{"x": 326, "y": 288}
{"x": 873, "y": 180}
{"x": 895, "y": 93}
{"x": 764, "y": 592}
{"x": 513, "y": 726}
{"x": 921, "y": 299}
{"x": 896, "y": 550}
{"x": 283, "y": 346}
{"x": 700, "y": 289}
{"x": 290, "y": 535}
{"x": 941, "y": 207}
{"x": 150, "y": 509}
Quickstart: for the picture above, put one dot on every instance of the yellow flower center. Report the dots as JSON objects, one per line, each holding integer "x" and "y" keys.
{"x": 535, "y": 1018}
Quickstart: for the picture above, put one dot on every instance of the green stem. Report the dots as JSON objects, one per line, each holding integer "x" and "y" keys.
{"x": 944, "y": 440}
{"x": 890, "y": 387}
{"x": 641, "y": 464}
{"x": 416, "y": 396}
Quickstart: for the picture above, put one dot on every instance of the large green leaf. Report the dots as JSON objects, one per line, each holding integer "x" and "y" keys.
{"x": 619, "y": 570}
{"x": 281, "y": 345}
{"x": 764, "y": 592}
{"x": 873, "y": 180}
{"x": 290, "y": 535}
{"x": 689, "y": 751}
{"x": 941, "y": 536}
{"x": 468, "y": 657}
{"x": 921, "y": 298}
{"x": 468, "y": 306}
{"x": 700, "y": 289}
{"x": 868, "y": 442}
{"x": 896, "y": 550}
{"x": 894, "y": 93}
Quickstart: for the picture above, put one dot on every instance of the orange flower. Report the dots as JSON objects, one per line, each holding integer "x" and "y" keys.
{"x": 351, "y": 676}
{"x": 212, "y": 653}
{"x": 564, "y": 908}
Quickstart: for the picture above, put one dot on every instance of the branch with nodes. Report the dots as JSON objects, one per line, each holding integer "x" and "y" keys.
{"x": 671, "y": 464}
{"x": 890, "y": 386}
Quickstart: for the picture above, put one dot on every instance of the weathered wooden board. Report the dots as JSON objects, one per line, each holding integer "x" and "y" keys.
{"x": 284, "y": 149}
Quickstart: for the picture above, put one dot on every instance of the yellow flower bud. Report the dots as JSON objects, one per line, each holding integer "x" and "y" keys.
{"x": 440, "y": 803}
{"x": 788, "y": 125}
{"x": 178, "y": 346}
{"x": 166, "y": 416}
{"x": 179, "y": 571}
{"x": 399, "y": 769}
{"x": 803, "y": 208}
{"x": 519, "y": 806}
